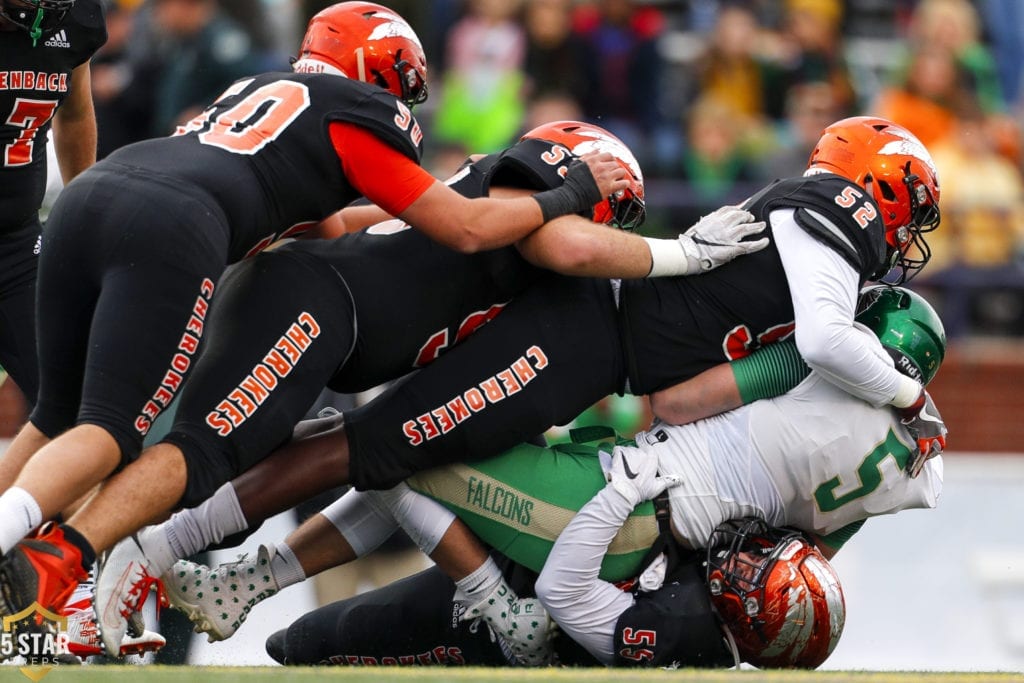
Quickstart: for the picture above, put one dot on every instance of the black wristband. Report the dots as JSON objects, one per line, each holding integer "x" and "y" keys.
{"x": 578, "y": 193}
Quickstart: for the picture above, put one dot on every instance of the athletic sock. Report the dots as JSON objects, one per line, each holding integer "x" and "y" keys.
{"x": 286, "y": 567}
{"x": 476, "y": 586}
{"x": 195, "y": 529}
{"x": 19, "y": 514}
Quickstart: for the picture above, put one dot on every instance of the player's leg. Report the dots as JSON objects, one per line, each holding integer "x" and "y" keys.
{"x": 553, "y": 352}
{"x": 410, "y": 622}
{"x": 282, "y": 325}
{"x": 110, "y": 345}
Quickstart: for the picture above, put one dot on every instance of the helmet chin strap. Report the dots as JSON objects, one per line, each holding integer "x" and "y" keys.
{"x": 35, "y": 33}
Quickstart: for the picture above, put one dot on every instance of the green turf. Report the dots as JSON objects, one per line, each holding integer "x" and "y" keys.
{"x": 193, "y": 674}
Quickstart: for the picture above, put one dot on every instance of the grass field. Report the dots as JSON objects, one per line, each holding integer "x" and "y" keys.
{"x": 190, "y": 674}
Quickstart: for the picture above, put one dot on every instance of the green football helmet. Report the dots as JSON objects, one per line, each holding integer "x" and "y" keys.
{"x": 908, "y": 327}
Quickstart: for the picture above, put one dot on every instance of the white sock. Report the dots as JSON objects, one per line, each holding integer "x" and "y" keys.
{"x": 286, "y": 567}
{"x": 195, "y": 529}
{"x": 474, "y": 587}
{"x": 19, "y": 514}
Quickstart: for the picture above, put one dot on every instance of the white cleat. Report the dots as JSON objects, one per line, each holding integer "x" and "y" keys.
{"x": 219, "y": 600}
{"x": 84, "y": 635}
{"x": 521, "y": 624}
{"x": 125, "y": 577}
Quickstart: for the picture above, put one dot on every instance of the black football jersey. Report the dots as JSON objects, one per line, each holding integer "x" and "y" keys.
{"x": 33, "y": 83}
{"x": 262, "y": 154}
{"x": 673, "y": 626}
{"x": 414, "y": 298}
{"x": 675, "y": 328}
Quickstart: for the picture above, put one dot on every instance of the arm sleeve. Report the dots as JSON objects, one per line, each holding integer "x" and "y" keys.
{"x": 824, "y": 288}
{"x": 377, "y": 170}
{"x": 770, "y": 371}
{"x": 586, "y": 608}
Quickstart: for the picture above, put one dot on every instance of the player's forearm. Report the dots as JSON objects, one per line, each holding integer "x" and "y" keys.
{"x": 573, "y": 245}
{"x": 585, "y": 607}
{"x": 74, "y": 142}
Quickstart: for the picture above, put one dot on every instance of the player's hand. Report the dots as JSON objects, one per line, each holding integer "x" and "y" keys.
{"x": 590, "y": 179}
{"x": 634, "y": 475}
{"x": 719, "y": 238}
{"x": 924, "y": 423}
{"x": 607, "y": 173}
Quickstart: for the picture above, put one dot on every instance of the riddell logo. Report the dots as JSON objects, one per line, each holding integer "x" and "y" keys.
{"x": 58, "y": 39}
{"x": 38, "y": 637}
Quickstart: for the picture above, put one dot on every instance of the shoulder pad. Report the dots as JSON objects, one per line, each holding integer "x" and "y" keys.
{"x": 529, "y": 164}
{"x": 377, "y": 110}
{"x": 838, "y": 213}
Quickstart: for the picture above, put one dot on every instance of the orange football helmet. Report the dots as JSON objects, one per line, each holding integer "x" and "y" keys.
{"x": 779, "y": 598}
{"x": 367, "y": 42}
{"x": 896, "y": 169}
{"x": 625, "y": 209}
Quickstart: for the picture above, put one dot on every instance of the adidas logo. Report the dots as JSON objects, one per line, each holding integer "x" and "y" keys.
{"x": 58, "y": 39}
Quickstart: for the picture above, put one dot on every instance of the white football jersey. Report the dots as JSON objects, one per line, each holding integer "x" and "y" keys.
{"x": 815, "y": 458}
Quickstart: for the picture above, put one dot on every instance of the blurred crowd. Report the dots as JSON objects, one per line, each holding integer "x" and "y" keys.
{"x": 715, "y": 97}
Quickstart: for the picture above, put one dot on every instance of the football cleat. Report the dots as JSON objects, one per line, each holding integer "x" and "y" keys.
{"x": 219, "y": 600}
{"x": 84, "y": 634}
{"x": 44, "y": 568}
{"x": 125, "y": 578}
{"x": 521, "y": 625}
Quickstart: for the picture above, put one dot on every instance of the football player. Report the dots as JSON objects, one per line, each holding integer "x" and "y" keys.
{"x": 783, "y": 460}
{"x": 412, "y": 622}
{"x": 867, "y": 199}
{"x": 337, "y": 325}
{"x": 45, "y": 46}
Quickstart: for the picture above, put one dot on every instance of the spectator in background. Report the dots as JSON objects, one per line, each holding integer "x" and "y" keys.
{"x": 205, "y": 52}
{"x": 956, "y": 26}
{"x": 622, "y": 70}
{"x": 124, "y": 72}
{"x": 1004, "y": 23}
{"x": 481, "y": 107}
{"x": 926, "y": 101}
{"x": 731, "y": 69}
{"x": 810, "y": 108}
{"x": 553, "y": 52}
{"x": 979, "y": 247}
{"x": 814, "y": 53}
{"x": 714, "y": 160}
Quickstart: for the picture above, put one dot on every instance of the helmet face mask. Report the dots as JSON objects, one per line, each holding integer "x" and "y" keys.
{"x": 38, "y": 17}
{"x": 625, "y": 209}
{"x": 775, "y": 593}
{"x": 899, "y": 174}
{"x": 366, "y": 42}
{"x": 908, "y": 327}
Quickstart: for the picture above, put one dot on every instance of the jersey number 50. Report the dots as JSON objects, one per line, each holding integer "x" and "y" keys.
{"x": 254, "y": 122}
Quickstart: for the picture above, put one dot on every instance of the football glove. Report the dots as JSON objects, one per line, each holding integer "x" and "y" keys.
{"x": 924, "y": 423}
{"x": 719, "y": 238}
{"x": 634, "y": 475}
{"x": 578, "y": 193}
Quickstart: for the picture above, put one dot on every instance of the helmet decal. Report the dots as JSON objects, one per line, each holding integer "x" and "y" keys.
{"x": 909, "y": 146}
{"x": 396, "y": 27}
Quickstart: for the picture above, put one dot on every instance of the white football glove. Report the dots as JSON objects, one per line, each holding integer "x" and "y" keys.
{"x": 719, "y": 238}
{"x": 634, "y": 475}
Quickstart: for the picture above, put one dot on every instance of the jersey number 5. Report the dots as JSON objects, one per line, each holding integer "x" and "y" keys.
{"x": 30, "y": 116}
{"x": 254, "y": 122}
{"x": 869, "y": 475}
